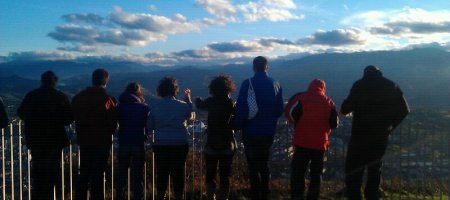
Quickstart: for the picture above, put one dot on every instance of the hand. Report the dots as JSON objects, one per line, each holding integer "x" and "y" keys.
{"x": 187, "y": 95}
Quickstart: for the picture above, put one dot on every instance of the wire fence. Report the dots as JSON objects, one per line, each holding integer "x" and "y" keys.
{"x": 416, "y": 165}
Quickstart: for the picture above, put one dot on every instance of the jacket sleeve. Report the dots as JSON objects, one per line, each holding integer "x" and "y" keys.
{"x": 334, "y": 119}
{"x": 294, "y": 109}
{"x": 242, "y": 106}
{"x": 67, "y": 114}
{"x": 3, "y": 115}
{"x": 402, "y": 109}
{"x": 112, "y": 113}
{"x": 279, "y": 101}
{"x": 348, "y": 106}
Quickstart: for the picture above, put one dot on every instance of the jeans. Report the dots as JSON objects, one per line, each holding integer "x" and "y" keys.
{"x": 130, "y": 156}
{"x": 362, "y": 155}
{"x": 93, "y": 162}
{"x": 224, "y": 161}
{"x": 170, "y": 161}
{"x": 302, "y": 157}
{"x": 46, "y": 173}
{"x": 257, "y": 151}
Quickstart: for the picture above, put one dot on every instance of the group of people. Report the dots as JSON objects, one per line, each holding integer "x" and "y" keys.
{"x": 377, "y": 104}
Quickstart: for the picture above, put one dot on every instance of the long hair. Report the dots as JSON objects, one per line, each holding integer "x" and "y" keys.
{"x": 136, "y": 89}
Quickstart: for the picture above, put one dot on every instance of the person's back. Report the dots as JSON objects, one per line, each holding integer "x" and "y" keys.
{"x": 314, "y": 115}
{"x": 133, "y": 115}
{"x": 378, "y": 107}
{"x": 95, "y": 116}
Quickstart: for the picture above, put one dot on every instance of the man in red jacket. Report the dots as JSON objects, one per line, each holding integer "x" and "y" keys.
{"x": 314, "y": 115}
{"x": 95, "y": 114}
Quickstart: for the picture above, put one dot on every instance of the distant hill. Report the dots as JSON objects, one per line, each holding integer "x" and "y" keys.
{"x": 423, "y": 74}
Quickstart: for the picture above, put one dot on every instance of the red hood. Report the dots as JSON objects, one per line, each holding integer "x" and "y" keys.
{"x": 317, "y": 86}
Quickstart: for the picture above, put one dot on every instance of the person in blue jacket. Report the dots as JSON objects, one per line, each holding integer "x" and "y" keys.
{"x": 258, "y": 132}
{"x": 133, "y": 115}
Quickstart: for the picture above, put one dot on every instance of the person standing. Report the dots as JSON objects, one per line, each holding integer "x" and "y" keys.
{"x": 258, "y": 132}
{"x": 133, "y": 116}
{"x": 3, "y": 115}
{"x": 45, "y": 112}
{"x": 220, "y": 144}
{"x": 168, "y": 121}
{"x": 95, "y": 114}
{"x": 378, "y": 107}
{"x": 313, "y": 115}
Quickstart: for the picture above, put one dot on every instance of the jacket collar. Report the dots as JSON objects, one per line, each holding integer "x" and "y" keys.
{"x": 261, "y": 74}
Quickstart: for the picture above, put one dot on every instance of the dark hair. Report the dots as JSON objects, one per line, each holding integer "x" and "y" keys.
{"x": 100, "y": 77}
{"x": 372, "y": 70}
{"x": 168, "y": 86}
{"x": 49, "y": 78}
{"x": 136, "y": 89}
{"x": 259, "y": 64}
{"x": 221, "y": 85}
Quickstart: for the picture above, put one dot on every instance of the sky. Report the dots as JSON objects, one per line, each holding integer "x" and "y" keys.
{"x": 173, "y": 32}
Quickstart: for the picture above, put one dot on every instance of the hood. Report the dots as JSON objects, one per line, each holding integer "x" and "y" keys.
{"x": 129, "y": 98}
{"x": 317, "y": 86}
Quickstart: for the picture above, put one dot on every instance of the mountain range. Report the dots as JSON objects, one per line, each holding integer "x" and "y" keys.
{"x": 422, "y": 73}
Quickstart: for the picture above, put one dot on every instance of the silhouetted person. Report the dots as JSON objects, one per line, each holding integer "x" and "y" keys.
{"x": 378, "y": 107}
{"x": 95, "y": 115}
{"x": 313, "y": 115}
{"x": 220, "y": 143}
{"x": 3, "y": 115}
{"x": 45, "y": 111}
{"x": 258, "y": 132}
{"x": 133, "y": 116}
{"x": 168, "y": 121}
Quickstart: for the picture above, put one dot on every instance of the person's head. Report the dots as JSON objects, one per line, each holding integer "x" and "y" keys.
{"x": 318, "y": 86}
{"x": 260, "y": 64}
{"x": 371, "y": 71}
{"x": 100, "y": 77}
{"x": 136, "y": 89}
{"x": 168, "y": 86}
{"x": 49, "y": 79}
{"x": 221, "y": 86}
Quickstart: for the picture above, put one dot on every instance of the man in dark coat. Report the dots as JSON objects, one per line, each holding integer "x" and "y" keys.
{"x": 95, "y": 114}
{"x": 378, "y": 107}
{"x": 45, "y": 111}
{"x": 3, "y": 115}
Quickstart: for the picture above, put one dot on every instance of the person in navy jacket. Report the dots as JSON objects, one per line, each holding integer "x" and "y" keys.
{"x": 133, "y": 116}
{"x": 258, "y": 132}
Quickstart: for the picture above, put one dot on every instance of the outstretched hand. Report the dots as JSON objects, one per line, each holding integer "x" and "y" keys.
{"x": 187, "y": 95}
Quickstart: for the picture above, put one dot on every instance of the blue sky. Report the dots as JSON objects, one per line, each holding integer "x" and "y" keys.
{"x": 215, "y": 31}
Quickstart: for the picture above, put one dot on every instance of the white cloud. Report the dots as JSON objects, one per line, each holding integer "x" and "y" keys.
{"x": 281, "y": 3}
{"x": 223, "y": 10}
{"x": 256, "y": 11}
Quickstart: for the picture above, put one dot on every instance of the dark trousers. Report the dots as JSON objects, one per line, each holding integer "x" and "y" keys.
{"x": 363, "y": 155}
{"x": 302, "y": 157}
{"x": 257, "y": 151}
{"x": 93, "y": 162}
{"x": 170, "y": 161}
{"x": 46, "y": 173}
{"x": 130, "y": 156}
{"x": 223, "y": 160}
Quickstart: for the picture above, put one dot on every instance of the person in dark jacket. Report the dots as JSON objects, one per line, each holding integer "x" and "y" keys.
{"x": 314, "y": 115}
{"x": 95, "y": 114}
{"x": 220, "y": 144}
{"x": 258, "y": 132}
{"x": 3, "y": 115}
{"x": 133, "y": 115}
{"x": 378, "y": 107}
{"x": 46, "y": 111}
{"x": 168, "y": 121}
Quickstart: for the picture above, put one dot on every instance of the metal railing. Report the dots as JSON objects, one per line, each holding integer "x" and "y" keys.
{"x": 416, "y": 165}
